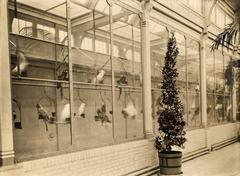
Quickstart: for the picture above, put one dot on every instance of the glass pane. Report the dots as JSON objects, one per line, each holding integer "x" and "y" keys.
{"x": 227, "y": 108}
{"x": 228, "y": 73}
{"x": 219, "y": 108}
{"x": 40, "y": 81}
{"x": 92, "y": 122}
{"x": 181, "y": 61}
{"x": 194, "y": 117}
{"x": 127, "y": 73}
{"x": 219, "y": 72}
{"x": 129, "y": 121}
{"x": 156, "y": 98}
{"x": 193, "y": 65}
{"x": 159, "y": 39}
{"x": 211, "y": 109}
{"x": 34, "y": 117}
{"x": 210, "y": 70}
{"x": 126, "y": 48}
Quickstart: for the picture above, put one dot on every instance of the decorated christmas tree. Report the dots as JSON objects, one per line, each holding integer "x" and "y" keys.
{"x": 171, "y": 122}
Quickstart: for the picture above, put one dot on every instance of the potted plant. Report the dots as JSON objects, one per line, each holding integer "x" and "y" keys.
{"x": 170, "y": 119}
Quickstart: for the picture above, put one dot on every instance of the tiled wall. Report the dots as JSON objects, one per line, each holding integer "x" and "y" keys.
{"x": 111, "y": 160}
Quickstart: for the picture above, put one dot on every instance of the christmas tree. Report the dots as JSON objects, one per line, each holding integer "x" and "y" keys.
{"x": 171, "y": 122}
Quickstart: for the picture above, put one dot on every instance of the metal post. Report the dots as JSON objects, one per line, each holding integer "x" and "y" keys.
{"x": 186, "y": 74}
{"x": 203, "y": 83}
{"x": 112, "y": 64}
{"x": 70, "y": 67}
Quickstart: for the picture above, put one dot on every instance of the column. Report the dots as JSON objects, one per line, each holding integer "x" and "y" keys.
{"x": 6, "y": 131}
{"x": 146, "y": 69}
{"x": 203, "y": 82}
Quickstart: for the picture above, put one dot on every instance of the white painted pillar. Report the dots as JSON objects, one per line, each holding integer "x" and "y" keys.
{"x": 146, "y": 69}
{"x": 203, "y": 82}
{"x": 6, "y": 131}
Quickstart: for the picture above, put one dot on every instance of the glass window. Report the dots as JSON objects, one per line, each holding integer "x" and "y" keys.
{"x": 219, "y": 108}
{"x": 193, "y": 77}
{"x": 62, "y": 37}
{"x": 87, "y": 44}
{"x": 45, "y": 32}
{"x": 22, "y": 27}
{"x": 220, "y": 18}
{"x": 101, "y": 46}
{"x": 40, "y": 85}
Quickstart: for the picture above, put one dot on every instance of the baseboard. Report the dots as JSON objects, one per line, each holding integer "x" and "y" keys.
{"x": 143, "y": 172}
{"x": 149, "y": 171}
{"x": 224, "y": 143}
{"x": 195, "y": 154}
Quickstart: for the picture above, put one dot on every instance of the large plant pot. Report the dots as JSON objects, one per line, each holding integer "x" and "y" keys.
{"x": 170, "y": 163}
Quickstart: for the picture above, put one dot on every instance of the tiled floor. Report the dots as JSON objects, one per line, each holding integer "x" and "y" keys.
{"x": 223, "y": 162}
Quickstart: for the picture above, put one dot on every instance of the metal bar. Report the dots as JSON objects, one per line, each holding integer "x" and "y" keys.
{"x": 37, "y": 39}
{"x": 223, "y": 92}
{"x": 38, "y": 79}
{"x": 112, "y": 64}
{"x": 133, "y": 59}
{"x": 214, "y": 74}
{"x": 54, "y": 7}
{"x": 186, "y": 63}
{"x": 92, "y": 84}
{"x": 70, "y": 67}
{"x": 55, "y": 91}
{"x": 32, "y": 84}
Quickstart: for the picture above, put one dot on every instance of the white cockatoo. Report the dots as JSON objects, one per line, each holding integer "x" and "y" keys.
{"x": 81, "y": 110}
{"x": 130, "y": 110}
{"x": 23, "y": 63}
{"x": 99, "y": 78}
{"x": 218, "y": 107}
{"x": 140, "y": 78}
{"x": 65, "y": 113}
{"x": 229, "y": 109}
{"x": 197, "y": 88}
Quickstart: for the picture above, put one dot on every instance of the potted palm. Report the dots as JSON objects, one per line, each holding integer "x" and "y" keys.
{"x": 170, "y": 119}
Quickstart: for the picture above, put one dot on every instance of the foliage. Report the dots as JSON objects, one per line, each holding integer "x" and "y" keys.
{"x": 229, "y": 36}
{"x": 171, "y": 122}
{"x": 229, "y": 75}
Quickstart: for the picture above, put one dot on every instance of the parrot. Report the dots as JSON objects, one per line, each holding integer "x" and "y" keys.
{"x": 130, "y": 110}
{"x": 42, "y": 114}
{"x": 81, "y": 110}
{"x": 121, "y": 81}
{"x": 63, "y": 77}
{"x": 65, "y": 113}
{"x": 23, "y": 64}
{"x": 99, "y": 78}
{"x": 101, "y": 115}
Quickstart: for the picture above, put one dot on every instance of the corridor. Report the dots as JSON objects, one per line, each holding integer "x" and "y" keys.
{"x": 223, "y": 162}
